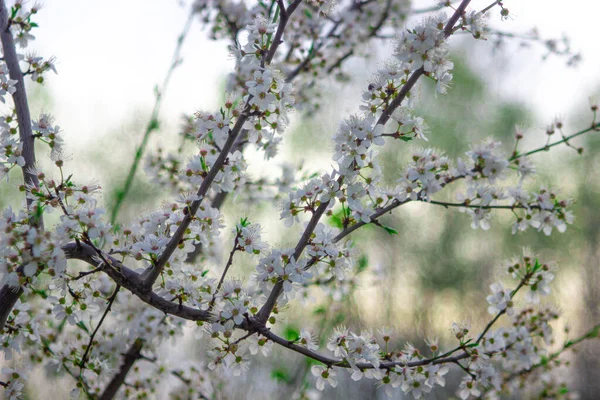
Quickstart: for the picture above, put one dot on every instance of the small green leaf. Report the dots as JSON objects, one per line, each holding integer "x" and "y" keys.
{"x": 389, "y": 230}
{"x": 244, "y": 222}
{"x": 564, "y": 390}
{"x": 405, "y": 138}
{"x": 363, "y": 263}
{"x": 339, "y": 318}
{"x": 291, "y": 333}
{"x": 281, "y": 375}
{"x": 336, "y": 220}
{"x": 41, "y": 293}
{"x": 320, "y": 310}
{"x": 82, "y": 326}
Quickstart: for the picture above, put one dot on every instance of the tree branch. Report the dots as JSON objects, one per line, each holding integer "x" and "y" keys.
{"x": 129, "y": 358}
{"x": 133, "y": 282}
{"x": 152, "y": 273}
{"x": 265, "y": 311}
{"x": 10, "y": 295}
{"x": 111, "y": 300}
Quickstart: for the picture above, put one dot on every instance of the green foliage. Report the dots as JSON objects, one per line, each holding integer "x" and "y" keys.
{"x": 281, "y": 375}
{"x": 388, "y": 229}
{"x": 291, "y": 333}
{"x": 363, "y": 263}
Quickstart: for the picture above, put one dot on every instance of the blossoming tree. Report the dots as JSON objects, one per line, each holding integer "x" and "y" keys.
{"x": 94, "y": 296}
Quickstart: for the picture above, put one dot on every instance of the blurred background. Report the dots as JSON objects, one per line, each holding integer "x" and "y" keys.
{"x": 437, "y": 270}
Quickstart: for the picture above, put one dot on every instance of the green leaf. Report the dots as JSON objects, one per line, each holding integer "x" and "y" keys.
{"x": 363, "y": 263}
{"x": 389, "y": 230}
{"x": 336, "y": 220}
{"x": 319, "y": 310}
{"x": 339, "y": 318}
{"x": 291, "y": 333}
{"x": 564, "y": 390}
{"x": 117, "y": 227}
{"x": 244, "y": 222}
{"x": 405, "y": 138}
{"x": 42, "y": 293}
{"x": 82, "y": 326}
{"x": 281, "y": 375}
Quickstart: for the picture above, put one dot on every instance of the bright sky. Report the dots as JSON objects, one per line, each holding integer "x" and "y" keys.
{"x": 550, "y": 87}
{"x": 112, "y": 53}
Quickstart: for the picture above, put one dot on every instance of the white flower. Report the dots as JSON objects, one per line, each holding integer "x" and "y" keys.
{"x": 467, "y": 388}
{"x": 260, "y": 343}
{"x": 307, "y": 340}
{"x": 324, "y": 375}
{"x": 250, "y": 239}
{"x": 499, "y": 300}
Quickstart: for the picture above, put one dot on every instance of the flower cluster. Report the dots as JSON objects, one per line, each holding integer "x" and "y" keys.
{"x": 425, "y": 47}
{"x": 352, "y": 143}
{"x": 280, "y": 265}
{"x": 248, "y": 237}
{"x": 154, "y": 287}
{"x": 354, "y": 348}
{"x": 7, "y": 85}
{"x": 332, "y": 260}
{"x": 308, "y": 198}
{"x": 11, "y": 148}
{"x": 233, "y": 303}
{"x": 28, "y": 249}
{"x": 424, "y": 176}
{"x": 491, "y": 362}
{"x": 49, "y": 134}
{"x": 146, "y": 238}
{"x": 21, "y": 23}
{"x": 37, "y": 67}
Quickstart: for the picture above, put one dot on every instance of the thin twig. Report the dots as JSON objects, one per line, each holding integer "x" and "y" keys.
{"x": 594, "y": 127}
{"x": 229, "y": 262}
{"x": 111, "y": 300}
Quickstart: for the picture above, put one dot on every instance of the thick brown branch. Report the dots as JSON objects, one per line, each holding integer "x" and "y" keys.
{"x": 129, "y": 358}
{"x": 133, "y": 282}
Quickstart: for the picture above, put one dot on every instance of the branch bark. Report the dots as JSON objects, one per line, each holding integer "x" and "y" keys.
{"x": 129, "y": 358}
{"x": 265, "y": 311}
{"x": 10, "y": 295}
